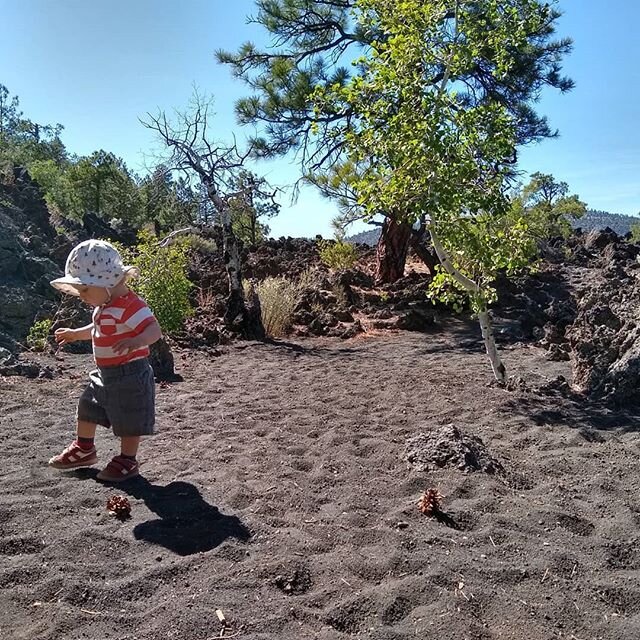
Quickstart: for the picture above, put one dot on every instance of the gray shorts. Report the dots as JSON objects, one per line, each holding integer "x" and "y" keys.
{"x": 122, "y": 398}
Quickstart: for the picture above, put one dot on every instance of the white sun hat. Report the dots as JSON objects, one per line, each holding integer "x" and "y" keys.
{"x": 93, "y": 263}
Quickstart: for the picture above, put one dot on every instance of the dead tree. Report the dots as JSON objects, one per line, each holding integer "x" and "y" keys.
{"x": 217, "y": 166}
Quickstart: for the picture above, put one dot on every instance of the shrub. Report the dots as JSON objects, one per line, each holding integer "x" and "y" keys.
{"x": 337, "y": 254}
{"x": 308, "y": 278}
{"x": 278, "y": 299}
{"x": 163, "y": 281}
{"x": 341, "y": 295}
{"x": 38, "y": 337}
{"x": 635, "y": 232}
{"x": 59, "y": 191}
{"x": 201, "y": 245}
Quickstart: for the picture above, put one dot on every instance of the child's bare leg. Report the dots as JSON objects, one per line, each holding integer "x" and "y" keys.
{"x": 129, "y": 446}
{"x": 86, "y": 429}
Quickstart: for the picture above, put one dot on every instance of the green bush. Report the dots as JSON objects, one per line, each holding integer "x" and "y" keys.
{"x": 278, "y": 299}
{"x": 58, "y": 190}
{"x": 635, "y": 232}
{"x": 337, "y": 254}
{"x": 201, "y": 245}
{"x": 38, "y": 337}
{"x": 163, "y": 281}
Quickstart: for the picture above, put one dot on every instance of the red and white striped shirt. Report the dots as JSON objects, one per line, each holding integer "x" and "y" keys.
{"x": 125, "y": 317}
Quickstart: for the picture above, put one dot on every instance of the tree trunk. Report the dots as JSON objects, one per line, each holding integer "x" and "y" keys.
{"x": 391, "y": 252}
{"x": 499, "y": 370}
{"x": 254, "y": 233}
{"x": 235, "y": 303}
{"x": 417, "y": 242}
{"x": 253, "y": 328}
{"x": 237, "y": 317}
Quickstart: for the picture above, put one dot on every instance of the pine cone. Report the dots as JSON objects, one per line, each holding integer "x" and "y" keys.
{"x": 430, "y": 502}
{"x": 119, "y": 506}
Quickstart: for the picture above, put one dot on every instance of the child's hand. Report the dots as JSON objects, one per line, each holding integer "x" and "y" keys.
{"x": 64, "y": 336}
{"x": 127, "y": 345}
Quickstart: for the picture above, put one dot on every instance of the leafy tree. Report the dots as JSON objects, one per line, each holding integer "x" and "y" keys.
{"x": 168, "y": 203}
{"x": 251, "y": 207}
{"x": 10, "y": 114}
{"x": 59, "y": 191}
{"x": 100, "y": 182}
{"x": 430, "y": 150}
{"x": 92, "y": 176}
{"x": 105, "y": 185}
{"x": 23, "y": 141}
{"x": 336, "y": 183}
{"x": 322, "y": 47}
{"x": 548, "y": 206}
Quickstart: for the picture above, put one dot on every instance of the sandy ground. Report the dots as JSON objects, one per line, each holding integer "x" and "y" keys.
{"x": 276, "y": 491}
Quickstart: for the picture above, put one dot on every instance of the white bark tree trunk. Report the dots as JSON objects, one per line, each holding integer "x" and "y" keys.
{"x": 499, "y": 370}
{"x": 236, "y": 309}
{"x": 231, "y": 253}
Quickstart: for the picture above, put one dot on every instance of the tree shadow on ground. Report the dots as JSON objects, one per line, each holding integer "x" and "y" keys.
{"x": 298, "y": 349}
{"x": 293, "y": 347}
{"x": 187, "y": 524}
{"x": 586, "y": 416}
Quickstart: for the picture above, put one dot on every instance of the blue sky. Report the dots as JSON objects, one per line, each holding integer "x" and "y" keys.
{"x": 97, "y": 67}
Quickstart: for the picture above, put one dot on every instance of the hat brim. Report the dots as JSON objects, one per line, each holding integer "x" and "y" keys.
{"x": 67, "y": 284}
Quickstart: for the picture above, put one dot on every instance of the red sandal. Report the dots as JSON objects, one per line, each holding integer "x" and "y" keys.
{"x": 119, "y": 469}
{"x": 73, "y": 457}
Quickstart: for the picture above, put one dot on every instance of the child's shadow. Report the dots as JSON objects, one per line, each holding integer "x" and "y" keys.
{"x": 187, "y": 523}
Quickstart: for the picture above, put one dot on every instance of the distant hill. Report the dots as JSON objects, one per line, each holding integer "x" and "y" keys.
{"x": 621, "y": 224}
{"x": 601, "y": 219}
{"x": 366, "y": 237}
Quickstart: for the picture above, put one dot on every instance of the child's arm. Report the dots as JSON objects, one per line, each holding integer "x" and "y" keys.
{"x": 65, "y": 335}
{"x": 152, "y": 333}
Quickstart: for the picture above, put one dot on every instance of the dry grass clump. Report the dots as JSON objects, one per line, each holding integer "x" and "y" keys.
{"x": 278, "y": 299}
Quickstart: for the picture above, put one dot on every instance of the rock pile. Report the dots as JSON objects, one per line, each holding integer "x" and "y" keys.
{"x": 449, "y": 447}
{"x": 26, "y": 266}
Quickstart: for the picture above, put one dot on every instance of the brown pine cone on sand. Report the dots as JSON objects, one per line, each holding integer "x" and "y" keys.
{"x": 119, "y": 506}
{"x": 430, "y": 502}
